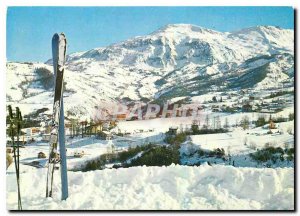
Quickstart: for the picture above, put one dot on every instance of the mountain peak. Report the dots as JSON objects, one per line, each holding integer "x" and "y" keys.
{"x": 183, "y": 28}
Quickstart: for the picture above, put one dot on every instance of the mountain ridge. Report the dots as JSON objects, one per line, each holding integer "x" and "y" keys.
{"x": 173, "y": 61}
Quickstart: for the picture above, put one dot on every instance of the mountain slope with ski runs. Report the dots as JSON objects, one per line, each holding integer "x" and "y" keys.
{"x": 177, "y": 60}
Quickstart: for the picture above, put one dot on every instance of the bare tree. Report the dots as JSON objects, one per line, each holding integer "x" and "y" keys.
{"x": 207, "y": 122}
{"x": 218, "y": 122}
{"x": 226, "y": 124}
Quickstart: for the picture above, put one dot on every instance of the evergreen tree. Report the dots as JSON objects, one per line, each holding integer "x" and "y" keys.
{"x": 245, "y": 122}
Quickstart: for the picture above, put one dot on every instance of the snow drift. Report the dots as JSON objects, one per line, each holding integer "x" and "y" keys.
{"x": 170, "y": 188}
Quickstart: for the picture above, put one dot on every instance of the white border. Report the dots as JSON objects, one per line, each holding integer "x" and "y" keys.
{"x": 3, "y": 7}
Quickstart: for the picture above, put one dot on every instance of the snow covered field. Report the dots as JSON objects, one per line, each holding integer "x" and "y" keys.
{"x": 174, "y": 187}
{"x": 234, "y": 142}
{"x": 220, "y": 186}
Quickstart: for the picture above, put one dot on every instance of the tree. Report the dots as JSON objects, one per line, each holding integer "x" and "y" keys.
{"x": 291, "y": 116}
{"x": 91, "y": 126}
{"x": 82, "y": 129}
{"x": 195, "y": 127}
{"x": 260, "y": 121}
{"x": 73, "y": 127}
{"x": 226, "y": 124}
{"x": 214, "y": 99}
{"x": 218, "y": 122}
{"x": 245, "y": 122}
{"x": 207, "y": 121}
{"x": 214, "y": 123}
{"x": 85, "y": 126}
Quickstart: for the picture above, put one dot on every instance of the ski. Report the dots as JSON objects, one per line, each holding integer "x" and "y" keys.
{"x": 58, "y": 56}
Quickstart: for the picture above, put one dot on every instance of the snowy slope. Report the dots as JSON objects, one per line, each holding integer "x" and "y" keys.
{"x": 174, "y": 187}
{"x": 171, "y": 62}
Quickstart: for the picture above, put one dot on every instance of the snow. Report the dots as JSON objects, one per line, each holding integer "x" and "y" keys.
{"x": 176, "y": 53}
{"x": 175, "y": 187}
{"x": 168, "y": 188}
{"x": 235, "y": 141}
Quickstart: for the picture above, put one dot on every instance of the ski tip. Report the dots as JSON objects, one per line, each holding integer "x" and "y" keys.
{"x": 55, "y": 36}
{"x": 62, "y": 36}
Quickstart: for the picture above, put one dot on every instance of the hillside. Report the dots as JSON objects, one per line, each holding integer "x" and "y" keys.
{"x": 175, "y": 61}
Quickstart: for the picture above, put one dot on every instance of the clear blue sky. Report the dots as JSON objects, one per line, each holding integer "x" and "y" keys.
{"x": 30, "y": 29}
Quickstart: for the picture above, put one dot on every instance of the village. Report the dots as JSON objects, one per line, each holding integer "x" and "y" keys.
{"x": 228, "y": 121}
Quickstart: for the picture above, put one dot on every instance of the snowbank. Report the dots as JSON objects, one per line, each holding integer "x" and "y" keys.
{"x": 173, "y": 187}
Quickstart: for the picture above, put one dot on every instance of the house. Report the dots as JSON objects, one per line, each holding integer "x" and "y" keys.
{"x": 105, "y": 126}
{"x": 121, "y": 117}
{"x": 46, "y": 137}
{"x": 95, "y": 128}
{"x": 172, "y": 131}
{"x": 78, "y": 154}
{"x": 105, "y": 135}
{"x": 32, "y": 131}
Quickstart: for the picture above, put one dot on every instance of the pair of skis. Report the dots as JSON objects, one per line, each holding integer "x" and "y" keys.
{"x": 59, "y": 44}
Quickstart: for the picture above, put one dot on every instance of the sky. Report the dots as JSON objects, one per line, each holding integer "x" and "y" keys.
{"x": 29, "y": 29}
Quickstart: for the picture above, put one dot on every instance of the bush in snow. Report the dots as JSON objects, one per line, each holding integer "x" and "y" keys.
{"x": 270, "y": 154}
{"x": 291, "y": 116}
{"x": 245, "y": 122}
{"x": 93, "y": 165}
{"x": 208, "y": 131}
{"x": 219, "y": 152}
{"x": 158, "y": 156}
{"x": 121, "y": 157}
{"x": 131, "y": 152}
{"x": 290, "y": 154}
{"x": 261, "y": 121}
{"x": 177, "y": 139}
{"x": 201, "y": 152}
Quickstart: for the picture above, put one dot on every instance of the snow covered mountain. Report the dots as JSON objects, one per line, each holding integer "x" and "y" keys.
{"x": 174, "y": 61}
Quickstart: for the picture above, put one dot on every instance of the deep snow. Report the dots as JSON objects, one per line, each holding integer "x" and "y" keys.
{"x": 174, "y": 187}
